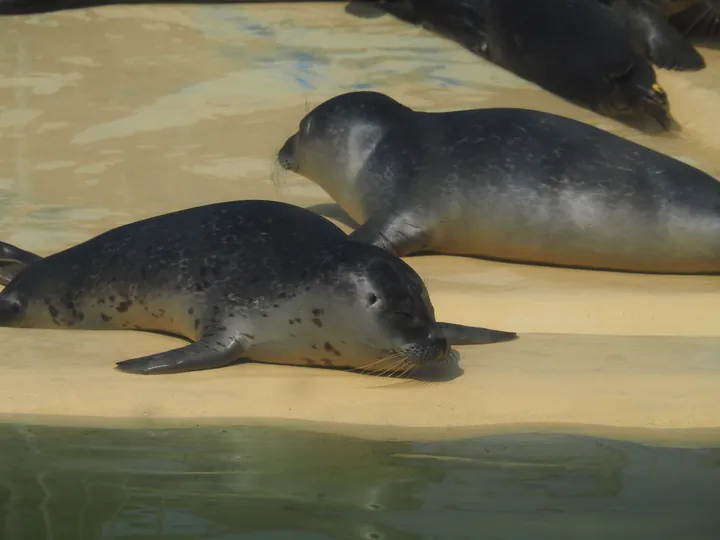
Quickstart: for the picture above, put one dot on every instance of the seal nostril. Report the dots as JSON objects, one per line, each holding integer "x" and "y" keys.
{"x": 285, "y": 155}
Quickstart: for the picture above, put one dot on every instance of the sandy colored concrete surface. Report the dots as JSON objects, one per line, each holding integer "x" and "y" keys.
{"x": 112, "y": 114}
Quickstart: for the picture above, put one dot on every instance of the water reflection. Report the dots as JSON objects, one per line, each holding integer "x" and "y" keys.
{"x": 63, "y": 484}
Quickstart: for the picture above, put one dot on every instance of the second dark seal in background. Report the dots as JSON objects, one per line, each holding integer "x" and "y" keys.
{"x": 591, "y": 54}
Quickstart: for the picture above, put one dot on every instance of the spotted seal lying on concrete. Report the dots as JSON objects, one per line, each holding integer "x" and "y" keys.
{"x": 261, "y": 280}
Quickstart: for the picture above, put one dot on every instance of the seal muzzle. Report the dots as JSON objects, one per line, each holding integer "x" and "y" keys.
{"x": 435, "y": 348}
{"x": 286, "y": 155}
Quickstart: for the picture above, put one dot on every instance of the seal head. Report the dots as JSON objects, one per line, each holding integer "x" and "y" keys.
{"x": 358, "y": 119}
{"x": 335, "y": 141}
{"x": 389, "y": 302}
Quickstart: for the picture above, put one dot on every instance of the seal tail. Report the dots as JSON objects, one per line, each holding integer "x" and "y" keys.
{"x": 14, "y": 260}
{"x": 666, "y": 47}
{"x": 458, "y": 334}
{"x": 213, "y": 350}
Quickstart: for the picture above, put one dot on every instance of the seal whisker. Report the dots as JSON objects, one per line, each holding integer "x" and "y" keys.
{"x": 363, "y": 369}
{"x": 400, "y": 374}
{"x": 397, "y": 365}
{"x": 392, "y": 368}
{"x": 398, "y": 361}
{"x": 408, "y": 370}
{"x": 381, "y": 374}
{"x": 383, "y": 382}
{"x": 277, "y": 175}
{"x": 399, "y": 379}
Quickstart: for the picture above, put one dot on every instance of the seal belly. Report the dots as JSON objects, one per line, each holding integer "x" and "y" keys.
{"x": 584, "y": 230}
{"x": 157, "y": 312}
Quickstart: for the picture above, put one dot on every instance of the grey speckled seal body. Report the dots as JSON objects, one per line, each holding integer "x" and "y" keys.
{"x": 507, "y": 184}
{"x": 261, "y": 280}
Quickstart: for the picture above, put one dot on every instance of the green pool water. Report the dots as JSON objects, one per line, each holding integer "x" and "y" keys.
{"x": 278, "y": 484}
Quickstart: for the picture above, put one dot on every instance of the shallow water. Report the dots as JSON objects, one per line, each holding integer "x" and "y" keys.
{"x": 260, "y": 483}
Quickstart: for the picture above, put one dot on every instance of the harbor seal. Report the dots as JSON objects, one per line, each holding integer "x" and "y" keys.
{"x": 507, "y": 184}
{"x": 262, "y": 280}
{"x": 580, "y": 50}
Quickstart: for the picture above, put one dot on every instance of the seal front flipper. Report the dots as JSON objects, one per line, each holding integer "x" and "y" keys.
{"x": 458, "y": 334}
{"x": 10, "y": 253}
{"x": 398, "y": 233}
{"x": 213, "y": 350}
{"x": 665, "y": 46}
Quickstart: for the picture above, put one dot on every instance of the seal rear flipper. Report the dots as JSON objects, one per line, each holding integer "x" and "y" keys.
{"x": 9, "y": 271}
{"x": 458, "y": 334}
{"x": 666, "y": 47}
{"x": 14, "y": 260}
{"x": 10, "y": 253}
{"x": 210, "y": 352}
{"x": 670, "y": 50}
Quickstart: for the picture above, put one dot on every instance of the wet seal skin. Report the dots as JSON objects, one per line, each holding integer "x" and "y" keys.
{"x": 594, "y": 55}
{"x": 647, "y": 22}
{"x": 507, "y": 184}
{"x": 258, "y": 280}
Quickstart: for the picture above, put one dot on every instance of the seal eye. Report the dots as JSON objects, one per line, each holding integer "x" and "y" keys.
{"x": 372, "y": 299}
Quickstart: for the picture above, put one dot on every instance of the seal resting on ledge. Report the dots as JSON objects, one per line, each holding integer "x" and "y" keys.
{"x": 508, "y": 184}
{"x": 594, "y": 55}
{"x": 259, "y": 280}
